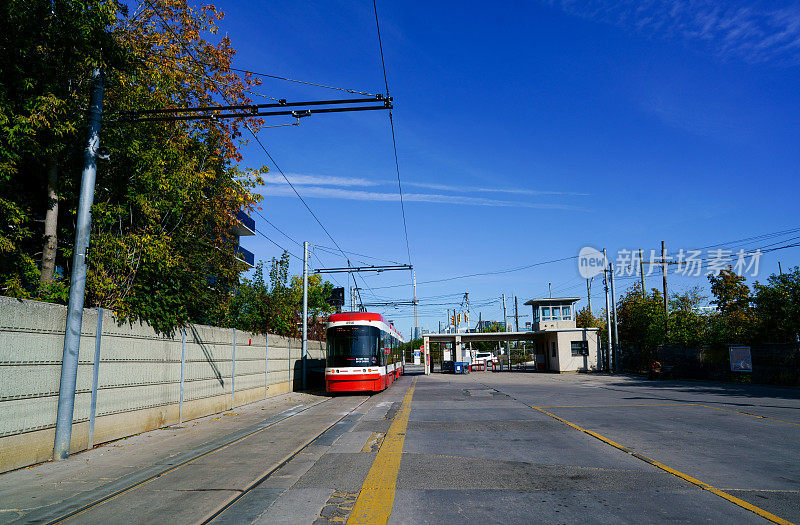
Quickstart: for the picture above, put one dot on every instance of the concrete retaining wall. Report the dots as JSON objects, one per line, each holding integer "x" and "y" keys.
{"x": 138, "y": 378}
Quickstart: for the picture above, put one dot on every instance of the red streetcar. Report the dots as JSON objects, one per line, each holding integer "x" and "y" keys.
{"x": 363, "y": 353}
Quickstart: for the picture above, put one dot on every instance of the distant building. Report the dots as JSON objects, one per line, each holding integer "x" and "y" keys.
{"x": 485, "y": 325}
{"x": 560, "y": 345}
{"x": 246, "y": 226}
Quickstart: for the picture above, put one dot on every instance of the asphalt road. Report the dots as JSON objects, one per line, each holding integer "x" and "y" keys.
{"x": 491, "y": 448}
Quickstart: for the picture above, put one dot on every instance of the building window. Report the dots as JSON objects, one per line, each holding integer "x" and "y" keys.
{"x": 556, "y": 313}
{"x": 566, "y": 313}
{"x": 580, "y": 347}
{"x": 553, "y": 348}
{"x": 545, "y": 313}
{"x": 535, "y": 315}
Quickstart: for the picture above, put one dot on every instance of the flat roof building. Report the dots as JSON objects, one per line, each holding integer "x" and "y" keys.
{"x": 560, "y": 345}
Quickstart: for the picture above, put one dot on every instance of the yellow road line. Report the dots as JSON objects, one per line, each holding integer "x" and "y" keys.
{"x": 623, "y": 405}
{"x": 749, "y": 414}
{"x": 374, "y": 503}
{"x": 672, "y": 405}
{"x": 705, "y": 486}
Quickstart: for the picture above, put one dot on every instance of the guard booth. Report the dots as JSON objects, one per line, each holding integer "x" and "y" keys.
{"x": 560, "y": 346}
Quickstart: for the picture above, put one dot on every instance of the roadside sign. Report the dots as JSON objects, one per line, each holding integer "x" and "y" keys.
{"x": 741, "y": 360}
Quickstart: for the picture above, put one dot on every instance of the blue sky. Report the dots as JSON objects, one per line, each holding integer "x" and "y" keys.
{"x": 525, "y": 132}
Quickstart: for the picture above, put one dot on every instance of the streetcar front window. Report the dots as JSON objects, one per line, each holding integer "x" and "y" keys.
{"x": 353, "y": 346}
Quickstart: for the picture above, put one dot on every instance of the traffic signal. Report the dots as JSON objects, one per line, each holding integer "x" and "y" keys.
{"x": 337, "y": 297}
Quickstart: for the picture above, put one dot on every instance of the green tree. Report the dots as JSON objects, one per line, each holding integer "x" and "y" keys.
{"x": 277, "y": 307}
{"x": 777, "y": 306}
{"x": 319, "y": 293}
{"x": 584, "y": 318}
{"x": 641, "y": 318}
{"x": 161, "y": 245}
{"x": 47, "y": 50}
{"x": 488, "y": 346}
{"x": 687, "y": 326}
{"x": 735, "y": 320}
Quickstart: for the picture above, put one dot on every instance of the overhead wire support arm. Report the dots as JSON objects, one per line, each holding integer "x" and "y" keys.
{"x": 294, "y": 109}
{"x": 357, "y": 269}
{"x": 390, "y": 303}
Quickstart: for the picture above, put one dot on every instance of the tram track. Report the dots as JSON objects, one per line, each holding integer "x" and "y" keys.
{"x": 67, "y": 509}
{"x": 286, "y": 460}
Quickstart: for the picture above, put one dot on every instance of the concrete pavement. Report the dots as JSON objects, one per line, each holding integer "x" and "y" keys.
{"x": 485, "y": 448}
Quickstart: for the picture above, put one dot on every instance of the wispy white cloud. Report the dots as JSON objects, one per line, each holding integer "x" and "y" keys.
{"x": 298, "y": 179}
{"x": 757, "y": 32}
{"x": 361, "y": 195}
{"x": 698, "y": 119}
{"x": 319, "y": 180}
{"x": 521, "y": 191}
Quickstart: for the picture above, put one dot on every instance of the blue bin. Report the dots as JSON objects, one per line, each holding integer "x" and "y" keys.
{"x": 459, "y": 367}
{"x": 465, "y": 366}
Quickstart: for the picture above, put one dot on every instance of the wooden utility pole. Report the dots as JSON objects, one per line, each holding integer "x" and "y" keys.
{"x": 666, "y": 299}
{"x": 516, "y": 315}
{"x": 607, "y": 360}
{"x": 589, "y": 293}
{"x": 641, "y": 272}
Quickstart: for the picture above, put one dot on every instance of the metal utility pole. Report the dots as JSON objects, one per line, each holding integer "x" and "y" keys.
{"x": 666, "y": 300}
{"x": 589, "y": 293}
{"x": 77, "y": 289}
{"x": 466, "y": 321}
{"x": 780, "y": 270}
{"x": 550, "y": 289}
{"x": 305, "y": 309}
{"x": 416, "y": 325}
{"x": 440, "y": 327}
{"x": 641, "y": 272}
{"x": 516, "y": 314}
{"x": 608, "y": 312}
{"x": 615, "y": 348}
{"x": 505, "y": 322}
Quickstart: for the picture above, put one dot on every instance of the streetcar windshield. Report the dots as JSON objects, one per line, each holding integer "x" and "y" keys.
{"x": 353, "y": 346}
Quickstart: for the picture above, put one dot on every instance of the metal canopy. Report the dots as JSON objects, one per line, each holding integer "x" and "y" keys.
{"x": 553, "y": 300}
{"x": 467, "y": 337}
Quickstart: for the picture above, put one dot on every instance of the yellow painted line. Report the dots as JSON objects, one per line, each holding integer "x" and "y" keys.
{"x": 623, "y": 405}
{"x": 374, "y": 438}
{"x": 705, "y": 486}
{"x": 749, "y": 414}
{"x": 374, "y": 503}
{"x": 674, "y": 404}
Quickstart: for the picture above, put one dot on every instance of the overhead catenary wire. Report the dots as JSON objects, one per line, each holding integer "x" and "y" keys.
{"x": 278, "y": 245}
{"x": 252, "y": 132}
{"x": 218, "y": 82}
{"x": 325, "y": 248}
{"x": 483, "y": 274}
{"x": 287, "y": 79}
{"x": 278, "y": 229}
{"x": 391, "y": 125}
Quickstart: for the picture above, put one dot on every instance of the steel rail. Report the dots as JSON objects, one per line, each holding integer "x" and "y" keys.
{"x": 235, "y": 438}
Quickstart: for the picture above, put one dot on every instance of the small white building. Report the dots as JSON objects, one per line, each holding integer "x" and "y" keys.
{"x": 560, "y": 345}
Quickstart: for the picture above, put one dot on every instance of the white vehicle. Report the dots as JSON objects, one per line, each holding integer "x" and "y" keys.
{"x": 484, "y": 357}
